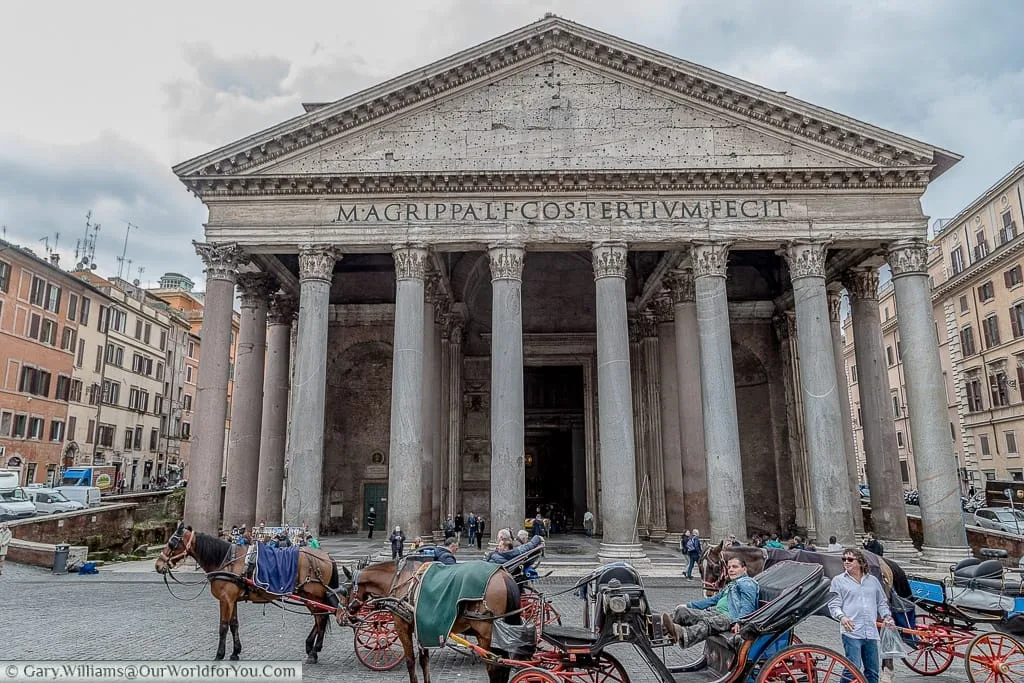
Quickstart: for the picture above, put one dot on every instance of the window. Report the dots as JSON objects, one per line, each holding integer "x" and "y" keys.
{"x": 80, "y": 357}
{"x": 963, "y": 304}
{"x": 186, "y": 430}
{"x": 163, "y": 339}
{"x": 111, "y": 392}
{"x": 33, "y": 325}
{"x": 990, "y": 475}
{"x": 188, "y": 374}
{"x": 986, "y": 450}
{"x": 153, "y": 436}
{"x": 129, "y": 434}
{"x": 56, "y": 430}
{"x": 146, "y": 332}
{"x": 896, "y": 405}
{"x": 158, "y": 404}
{"x": 20, "y": 426}
{"x": 191, "y": 349}
{"x": 105, "y": 436}
{"x": 6, "y": 420}
{"x": 34, "y": 381}
{"x": 889, "y": 357}
{"x": 1009, "y": 230}
{"x": 899, "y": 439}
{"x": 1013, "y": 277}
{"x": 63, "y": 388}
{"x": 1017, "y": 319}
{"x": 974, "y": 403}
{"x": 990, "y": 326}
{"x": 187, "y": 405}
{"x": 1011, "y": 442}
{"x": 95, "y": 392}
{"x": 998, "y": 387}
{"x": 38, "y": 295}
{"x": 137, "y": 443}
{"x": 72, "y": 306}
{"x": 35, "y": 428}
{"x": 5, "y": 276}
{"x": 89, "y": 429}
{"x": 956, "y": 260}
{"x": 853, "y": 374}
{"x": 84, "y": 317}
{"x": 981, "y": 246}
{"x": 72, "y": 423}
{"x": 53, "y": 298}
{"x": 905, "y": 471}
{"x": 1016, "y": 475}
{"x": 68, "y": 339}
{"x": 138, "y": 328}
{"x": 48, "y": 332}
{"x": 117, "y": 320}
{"x": 99, "y": 358}
{"x": 76, "y": 391}
{"x": 986, "y": 291}
{"x": 160, "y": 372}
{"x": 115, "y": 355}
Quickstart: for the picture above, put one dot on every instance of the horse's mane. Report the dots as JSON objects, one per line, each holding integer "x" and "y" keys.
{"x": 210, "y": 550}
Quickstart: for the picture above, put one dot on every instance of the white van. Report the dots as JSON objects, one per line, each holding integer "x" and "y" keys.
{"x": 14, "y": 502}
{"x": 89, "y": 496}
{"x": 50, "y": 501}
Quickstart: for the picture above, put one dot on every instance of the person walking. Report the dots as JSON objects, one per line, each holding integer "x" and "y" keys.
{"x": 873, "y": 545}
{"x": 471, "y": 528}
{"x": 371, "y": 521}
{"x": 460, "y": 525}
{"x": 857, "y": 602}
{"x": 480, "y": 532}
{"x": 588, "y": 523}
{"x": 5, "y": 543}
{"x": 693, "y": 552}
{"x": 397, "y": 539}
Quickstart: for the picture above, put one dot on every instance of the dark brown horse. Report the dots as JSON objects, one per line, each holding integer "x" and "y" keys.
{"x": 224, "y": 564}
{"x": 399, "y": 580}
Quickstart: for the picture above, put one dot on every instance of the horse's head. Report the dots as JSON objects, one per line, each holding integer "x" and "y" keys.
{"x": 351, "y": 596}
{"x": 178, "y": 547}
{"x": 712, "y": 568}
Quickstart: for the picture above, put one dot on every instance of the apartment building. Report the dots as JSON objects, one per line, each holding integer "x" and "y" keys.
{"x": 40, "y": 315}
{"x": 976, "y": 265}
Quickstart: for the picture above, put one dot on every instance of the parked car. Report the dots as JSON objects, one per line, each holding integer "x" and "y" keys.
{"x": 865, "y": 492}
{"x": 1000, "y": 519}
{"x": 51, "y": 501}
{"x": 14, "y": 503}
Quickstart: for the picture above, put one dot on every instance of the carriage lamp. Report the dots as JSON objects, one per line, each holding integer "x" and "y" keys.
{"x": 618, "y": 603}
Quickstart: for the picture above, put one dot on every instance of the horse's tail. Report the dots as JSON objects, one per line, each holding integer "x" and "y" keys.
{"x": 512, "y": 600}
{"x": 900, "y": 582}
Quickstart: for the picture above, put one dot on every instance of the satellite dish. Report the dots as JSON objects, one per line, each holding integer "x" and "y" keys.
{"x": 92, "y": 267}
{"x": 136, "y": 282}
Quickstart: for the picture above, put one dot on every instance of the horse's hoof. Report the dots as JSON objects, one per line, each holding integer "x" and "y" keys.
{"x": 218, "y": 657}
{"x": 233, "y": 658}
{"x": 311, "y": 658}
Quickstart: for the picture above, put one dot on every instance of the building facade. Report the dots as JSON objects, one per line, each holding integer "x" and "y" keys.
{"x": 563, "y": 270}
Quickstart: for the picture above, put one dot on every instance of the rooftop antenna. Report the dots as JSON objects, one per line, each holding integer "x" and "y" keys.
{"x": 85, "y": 248}
{"x": 124, "y": 251}
{"x": 46, "y": 243}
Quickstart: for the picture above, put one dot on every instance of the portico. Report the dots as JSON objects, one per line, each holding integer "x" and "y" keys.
{"x": 561, "y": 197}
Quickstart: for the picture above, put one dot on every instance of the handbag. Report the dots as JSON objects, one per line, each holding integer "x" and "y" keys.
{"x": 891, "y": 645}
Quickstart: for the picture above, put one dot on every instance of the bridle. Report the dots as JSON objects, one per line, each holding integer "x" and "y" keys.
{"x": 708, "y": 585}
{"x": 177, "y": 539}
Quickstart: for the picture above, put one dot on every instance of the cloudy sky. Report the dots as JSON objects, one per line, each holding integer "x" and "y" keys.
{"x": 100, "y": 99}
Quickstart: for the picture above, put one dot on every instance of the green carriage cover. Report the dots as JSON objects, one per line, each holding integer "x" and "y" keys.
{"x": 442, "y": 588}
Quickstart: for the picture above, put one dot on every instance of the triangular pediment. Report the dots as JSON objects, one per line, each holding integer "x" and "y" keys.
{"x": 555, "y": 95}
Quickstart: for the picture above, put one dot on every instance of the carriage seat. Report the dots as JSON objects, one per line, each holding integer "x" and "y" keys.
{"x": 567, "y": 637}
{"x": 989, "y": 569}
{"x": 1011, "y": 588}
{"x": 720, "y": 651}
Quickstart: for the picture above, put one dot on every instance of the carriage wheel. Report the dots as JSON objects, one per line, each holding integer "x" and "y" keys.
{"x": 534, "y": 604}
{"x": 995, "y": 658}
{"x": 376, "y": 641}
{"x": 808, "y": 663}
{"x": 935, "y": 648}
{"x": 534, "y": 675}
{"x": 607, "y": 670}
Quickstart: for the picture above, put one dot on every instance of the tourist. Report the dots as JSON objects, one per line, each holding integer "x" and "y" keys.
{"x": 480, "y": 532}
{"x": 873, "y": 545}
{"x": 732, "y": 541}
{"x": 797, "y": 544}
{"x": 693, "y": 552}
{"x": 397, "y": 539}
{"x": 471, "y": 528}
{"x": 506, "y": 552}
{"x": 588, "y": 523}
{"x": 694, "y": 622}
{"x": 774, "y": 542}
{"x": 538, "y": 526}
{"x": 858, "y": 601}
{"x": 833, "y": 546}
{"x": 312, "y": 542}
{"x": 683, "y": 540}
{"x": 5, "y": 543}
{"x": 522, "y": 537}
{"x": 371, "y": 521}
{"x": 460, "y": 525}
{"x": 446, "y": 554}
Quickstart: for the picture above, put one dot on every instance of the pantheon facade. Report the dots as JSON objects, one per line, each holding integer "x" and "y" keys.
{"x": 560, "y": 270}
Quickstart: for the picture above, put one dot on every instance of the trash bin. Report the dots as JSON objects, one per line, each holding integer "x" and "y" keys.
{"x": 60, "y": 558}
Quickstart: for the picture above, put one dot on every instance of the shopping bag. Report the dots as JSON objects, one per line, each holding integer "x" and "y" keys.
{"x": 891, "y": 646}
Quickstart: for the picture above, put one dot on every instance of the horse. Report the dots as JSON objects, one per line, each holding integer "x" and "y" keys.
{"x": 224, "y": 564}
{"x": 398, "y": 579}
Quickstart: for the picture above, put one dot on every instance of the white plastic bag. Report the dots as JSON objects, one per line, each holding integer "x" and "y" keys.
{"x": 891, "y": 646}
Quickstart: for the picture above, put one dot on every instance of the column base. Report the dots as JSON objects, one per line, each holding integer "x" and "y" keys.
{"x": 437, "y": 536}
{"x": 632, "y": 553}
{"x": 672, "y": 539}
{"x": 658, "y": 534}
{"x": 943, "y": 556}
{"x": 900, "y": 550}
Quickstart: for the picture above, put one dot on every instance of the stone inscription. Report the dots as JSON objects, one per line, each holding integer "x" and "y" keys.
{"x": 677, "y": 210}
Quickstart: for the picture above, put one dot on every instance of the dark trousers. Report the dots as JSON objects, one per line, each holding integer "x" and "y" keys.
{"x": 370, "y": 535}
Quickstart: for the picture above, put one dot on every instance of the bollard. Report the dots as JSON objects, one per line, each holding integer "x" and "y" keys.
{"x": 60, "y": 558}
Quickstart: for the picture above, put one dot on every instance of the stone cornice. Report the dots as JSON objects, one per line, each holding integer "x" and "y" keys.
{"x": 486, "y": 182}
{"x": 555, "y": 36}
{"x": 968, "y": 276}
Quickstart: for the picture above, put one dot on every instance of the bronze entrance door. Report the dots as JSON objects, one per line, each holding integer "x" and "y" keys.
{"x": 377, "y": 496}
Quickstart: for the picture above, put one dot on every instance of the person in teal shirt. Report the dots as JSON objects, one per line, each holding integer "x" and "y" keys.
{"x": 696, "y": 621}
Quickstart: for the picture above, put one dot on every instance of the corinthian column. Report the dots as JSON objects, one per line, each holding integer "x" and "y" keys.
{"x": 825, "y": 449}
{"x": 694, "y": 498}
{"x": 888, "y": 513}
{"x": 274, "y": 428}
{"x": 727, "y": 510}
{"x": 945, "y": 539}
{"x": 202, "y": 498}
{"x": 508, "y": 437}
{"x": 247, "y": 404}
{"x": 615, "y": 409}
{"x": 835, "y": 301}
{"x": 454, "y": 413}
{"x": 405, "y": 466}
{"x": 304, "y": 482}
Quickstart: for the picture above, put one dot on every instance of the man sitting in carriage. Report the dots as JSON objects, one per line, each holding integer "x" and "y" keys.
{"x": 506, "y": 552}
{"x": 696, "y": 621}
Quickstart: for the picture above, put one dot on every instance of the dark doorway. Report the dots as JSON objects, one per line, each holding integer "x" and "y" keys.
{"x": 377, "y": 496}
{"x": 555, "y": 452}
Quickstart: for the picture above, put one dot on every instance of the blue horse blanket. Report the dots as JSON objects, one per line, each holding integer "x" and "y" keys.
{"x": 277, "y": 569}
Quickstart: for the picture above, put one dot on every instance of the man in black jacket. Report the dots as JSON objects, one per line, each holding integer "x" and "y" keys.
{"x": 445, "y": 554}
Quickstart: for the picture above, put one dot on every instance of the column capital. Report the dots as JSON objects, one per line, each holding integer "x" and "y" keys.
{"x": 664, "y": 307}
{"x": 679, "y": 282}
{"x": 862, "y": 283}
{"x": 806, "y": 258}
{"x": 316, "y": 262}
{"x": 835, "y": 305}
{"x": 908, "y": 257}
{"x": 281, "y": 310}
{"x": 256, "y": 288}
{"x": 410, "y": 261}
{"x": 506, "y": 261}
{"x": 609, "y": 259}
{"x": 221, "y": 260}
{"x": 648, "y": 325}
{"x": 710, "y": 259}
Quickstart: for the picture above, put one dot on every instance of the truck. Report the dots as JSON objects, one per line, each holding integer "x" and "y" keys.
{"x": 14, "y": 502}
{"x": 103, "y": 477}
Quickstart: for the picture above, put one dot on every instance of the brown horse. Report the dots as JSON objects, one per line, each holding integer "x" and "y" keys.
{"x": 399, "y": 580}
{"x": 224, "y": 564}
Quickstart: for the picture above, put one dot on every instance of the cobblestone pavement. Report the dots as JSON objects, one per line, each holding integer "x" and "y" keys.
{"x": 131, "y": 615}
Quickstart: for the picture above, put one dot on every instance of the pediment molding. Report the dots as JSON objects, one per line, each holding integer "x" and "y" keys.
{"x": 553, "y": 35}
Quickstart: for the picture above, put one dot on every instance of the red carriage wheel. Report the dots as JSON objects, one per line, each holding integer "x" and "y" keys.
{"x": 995, "y": 658}
{"x": 935, "y": 648}
{"x": 534, "y": 605}
{"x": 808, "y": 663}
{"x": 534, "y": 675}
{"x": 607, "y": 670}
{"x": 376, "y": 641}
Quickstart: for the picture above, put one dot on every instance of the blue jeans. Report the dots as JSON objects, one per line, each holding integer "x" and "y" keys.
{"x": 689, "y": 569}
{"x": 864, "y": 655}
